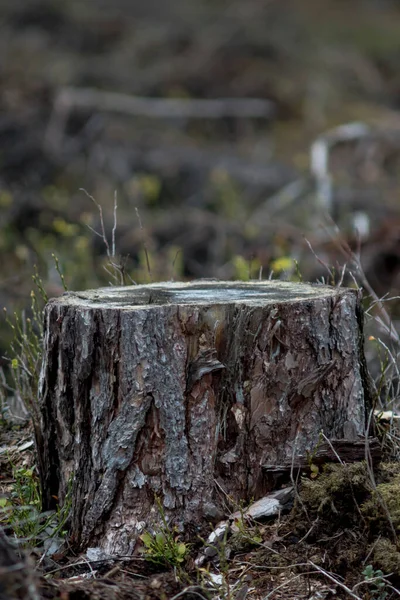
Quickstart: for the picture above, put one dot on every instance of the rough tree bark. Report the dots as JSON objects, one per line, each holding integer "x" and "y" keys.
{"x": 183, "y": 391}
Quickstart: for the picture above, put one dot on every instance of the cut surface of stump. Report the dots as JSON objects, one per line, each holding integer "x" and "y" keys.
{"x": 179, "y": 393}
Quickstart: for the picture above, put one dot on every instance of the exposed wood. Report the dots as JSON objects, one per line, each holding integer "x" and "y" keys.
{"x": 183, "y": 391}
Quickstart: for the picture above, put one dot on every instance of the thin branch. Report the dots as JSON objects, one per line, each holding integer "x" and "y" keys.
{"x": 328, "y": 441}
{"x": 114, "y": 229}
{"x": 189, "y": 590}
{"x": 320, "y": 157}
{"x": 371, "y": 474}
{"x": 340, "y": 282}
{"x": 164, "y": 108}
{"x": 371, "y": 580}
{"x": 144, "y": 243}
{"x": 354, "y": 257}
{"x": 335, "y": 580}
{"x": 285, "y": 583}
{"x": 321, "y": 262}
{"x": 294, "y": 483}
{"x": 103, "y": 232}
{"x": 115, "y": 270}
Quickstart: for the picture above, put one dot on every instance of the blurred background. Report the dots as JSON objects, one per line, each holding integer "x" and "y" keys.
{"x": 233, "y": 135}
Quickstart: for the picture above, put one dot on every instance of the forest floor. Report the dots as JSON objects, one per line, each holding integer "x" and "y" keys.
{"x": 336, "y": 538}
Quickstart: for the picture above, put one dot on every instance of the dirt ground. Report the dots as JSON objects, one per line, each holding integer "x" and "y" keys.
{"x": 336, "y": 538}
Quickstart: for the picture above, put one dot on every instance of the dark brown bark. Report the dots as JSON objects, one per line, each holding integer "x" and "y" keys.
{"x": 185, "y": 391}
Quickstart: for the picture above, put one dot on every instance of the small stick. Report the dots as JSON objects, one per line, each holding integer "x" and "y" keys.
{"x": 336, "y": 581}
{"x": 144, "y": 243}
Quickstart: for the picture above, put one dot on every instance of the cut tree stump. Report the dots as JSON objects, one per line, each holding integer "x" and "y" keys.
{"x": 181, "y": 393}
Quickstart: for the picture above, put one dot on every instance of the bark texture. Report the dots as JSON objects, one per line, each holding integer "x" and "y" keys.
{"x": 184, "y": 391}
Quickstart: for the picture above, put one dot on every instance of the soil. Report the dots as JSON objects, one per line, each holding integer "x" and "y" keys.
{"x": 319, "y": 547}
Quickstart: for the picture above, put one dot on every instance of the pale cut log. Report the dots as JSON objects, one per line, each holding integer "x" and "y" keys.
{"x": 184, "y": 391}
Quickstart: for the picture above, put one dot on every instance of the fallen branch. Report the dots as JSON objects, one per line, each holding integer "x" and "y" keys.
{"x": 70, "y": 99}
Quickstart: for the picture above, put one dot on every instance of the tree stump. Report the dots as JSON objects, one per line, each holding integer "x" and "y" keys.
{"x": 183, "y": 391}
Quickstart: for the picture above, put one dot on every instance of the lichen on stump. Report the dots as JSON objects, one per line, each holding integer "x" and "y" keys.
{"x": 183, "y": 391}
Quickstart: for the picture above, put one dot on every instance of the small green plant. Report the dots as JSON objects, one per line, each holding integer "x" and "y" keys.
{"x": 314, "y": 468}
{"x": 246, "y": 534}
{"x": 26, "y": 488}
{"x": 26, "y": 349}
{"x": 21, "y": 511}
{"x": 164, "y": 547}
{"x": 245, "y": 269}
{"x": 376, "y": 583}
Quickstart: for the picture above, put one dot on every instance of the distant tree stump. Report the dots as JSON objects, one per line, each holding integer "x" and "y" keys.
{"x": 184, "y": 390}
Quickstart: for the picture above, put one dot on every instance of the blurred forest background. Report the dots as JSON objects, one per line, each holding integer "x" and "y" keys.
{"x": 307, "y": 130}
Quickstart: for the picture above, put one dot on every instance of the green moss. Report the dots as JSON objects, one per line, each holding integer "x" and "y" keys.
{"x": 387, "y": 471}
{"x": 337, "y": 490}
{"x": 383, "y": 504}
{"x": 386, "y": 556}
